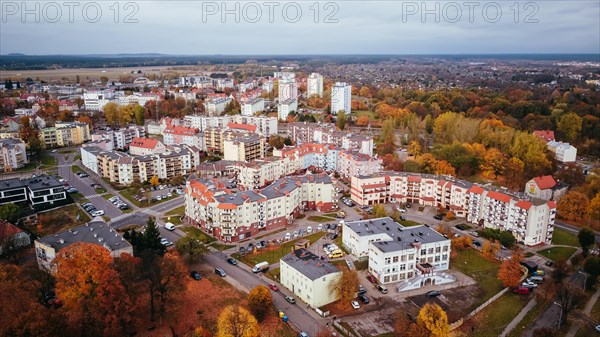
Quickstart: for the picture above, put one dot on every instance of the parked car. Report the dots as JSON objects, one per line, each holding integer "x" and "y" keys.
{"x": 363, "y": 299}
{"x": 196, "y": 275}
{"x": 290, "y": 299}
{"x": 166, "y": 242}
{"x": 355, "y": 305}
{"x": 220, "y": 272}
{"x": 408, "y": 205}
{"x": 530, "y": 285}
{"x": 477, "y": 244}
{"x": 597, "y": 328}
{"x": 273, "y": 287}
{"x": 303, "y": 334}
{"x": 438, "y": 217}
{"x": 400, "y": 209}
{"x": 382, "y": 289}
{"x": 83, "y": 175}
{"x": 98, "y": 213}
{"x": 433, "y": 293}
{"x": 309, "y": 229}
{"x": 475, "y": 234}
{"x": 521, "y": 290}
{"x": 287, "y": 236}
{"x": 169, "y": 226}
{"x": 461, "y": 227}
{"x": 232, "y": 261}
{"x": 371, "y": 279}
{"x": 86, "y": 204}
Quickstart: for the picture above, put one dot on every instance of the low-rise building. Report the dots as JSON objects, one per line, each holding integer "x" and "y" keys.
{"x": 38, "y": 191}
{"x": 546, "y": 188}
{"x": 65, "y": 134}
{"x": 563, "y": 152}
{"x": 146, "y": 146}
{"x": 303, "y": 132}
{"x": 215, "y": 106}
{"x": 13, "y": 154}
{"x": 414, "y": 256}
{"x": 96, "y": 231}
{"x": 176, "y": 135}
{"x": 12, "y": 237}
{"x": 308, "y": 277}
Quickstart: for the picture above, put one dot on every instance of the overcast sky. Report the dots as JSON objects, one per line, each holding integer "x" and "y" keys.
{"x": 341, "y": 27}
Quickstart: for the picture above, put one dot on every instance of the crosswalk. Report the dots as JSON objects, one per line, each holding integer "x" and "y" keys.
{"x": 93, "y": 196}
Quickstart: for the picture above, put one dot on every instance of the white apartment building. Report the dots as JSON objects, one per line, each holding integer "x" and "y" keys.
{"x": 13, "y": 154}
{"x": 530, "y": 220}
{"x": 285, "y": 107}
{"x": 268, "y": 86}
{"x": 314, "y": 85}
{"x": 216, "y": 106}
{"x": 136, "y": 99}
{"x": 89, "y": 157}
{"x": 246, "y": 148}
{"x": 96, "y": 100}
{"x": 266, "y": 126}
{"x": 252, "y": 106}
{"x": 232, "y": 217}
{"x": 176, "y": 135}
{"x": 341, "y": 98}
{"x": 303, "y": 132}
{"x": 288, "y": 89}
{"x": 414, "y": 256}
{"x": 308, "y": 277}
{"x": 564, "y": 152}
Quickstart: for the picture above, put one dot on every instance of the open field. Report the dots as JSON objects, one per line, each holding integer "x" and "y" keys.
{"x": 562, "y": 237}
{"x": 91, "y": 73}
{"x": 272, "y": 254}
{"x": 492, "y": 320}
{"x": 484, "y": 271}
{"x": 558, "y": 253}
{"x": 58, "y": 220}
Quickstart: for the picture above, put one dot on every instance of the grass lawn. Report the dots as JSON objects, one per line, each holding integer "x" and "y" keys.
{"x": 492, "y": 320}
{"x": 529, "y": 254}
{"x": 75, "y": 169}
{"x": 316, "y": 218}
{"x": 28, "y": 167}
{"x": 482, "y": 270}
{"x": 58, "y": 220}
{"x": 272, "y": 254}
{"x": 77, "y": 157}
{"x": 558, "y": 253}
{"x": 409, "y": 223}
{"x": 273, "y": 274}
{"x": 128, "y": 194}
{"x": 519, "y": 330}
{"x": 175, "y": 220}
{"x": 47, "y": 160}
{"x": 100, "y": 190}
{"x": 198, "y": 234}
{"x": 78, "y": 197}
{"x": 107, "y": 196}
{"x": 221, "y": 246}
{"x": 360, "y": 113}
{"x": 177, "y": 211}
{"x": 333, "y": 215}
{"x": 562, "y": 237}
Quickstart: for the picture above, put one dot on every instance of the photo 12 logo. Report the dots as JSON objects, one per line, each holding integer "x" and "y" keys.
{"x": 269, "y": 11}
{"x": 471, "y": 11}
{"x": 69, "y": 11}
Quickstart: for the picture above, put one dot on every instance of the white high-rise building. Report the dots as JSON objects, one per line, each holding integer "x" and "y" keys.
{"x": 288, "y": 89}
{"x": 341, "y": 98}
{"x": 315, "y": 85}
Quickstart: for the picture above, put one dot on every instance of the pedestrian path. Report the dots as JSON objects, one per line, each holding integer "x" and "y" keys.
{"x": 93, "y": 196}
{"x": 586, "y": 311}
{"x": 518, "y": 318}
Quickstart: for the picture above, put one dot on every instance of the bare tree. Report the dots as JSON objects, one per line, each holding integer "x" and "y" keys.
{"x": 569, "y": 297}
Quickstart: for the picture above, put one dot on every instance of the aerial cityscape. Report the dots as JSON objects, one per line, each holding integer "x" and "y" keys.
{"x": 231, "y": 183}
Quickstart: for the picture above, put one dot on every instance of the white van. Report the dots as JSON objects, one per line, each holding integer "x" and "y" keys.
{"x": 263, "y": 266}
{"x": 169, "y": 226}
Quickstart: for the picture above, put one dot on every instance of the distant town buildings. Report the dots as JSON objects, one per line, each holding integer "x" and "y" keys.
{"x": 314, "y": 85}
{"x": 216, "y": 105}
{"x": 341, "y": 98}
{"x": 530, "y": 220}
{"x": 13, "y": 154}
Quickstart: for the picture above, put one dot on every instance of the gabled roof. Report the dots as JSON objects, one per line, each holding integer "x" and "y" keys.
{"x": 247, "y": 127}
{"x": 545, "y": 182}
{"x": 498, "y": 196}
{"x": 146, "y": 143}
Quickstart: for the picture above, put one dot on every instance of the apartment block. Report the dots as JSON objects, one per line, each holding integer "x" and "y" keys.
{"x": 314, "y": 85}
{"x": 341, "y": 98}
{"x": 563, "y": 152}
{"x": 531, "y": 220}
{"x": 146, "y": 146}
{"x": 65, "y": 134}
{"x": 13, "y": 154}
{"x": 175, "y": 135}
{"x": 251, "y": 106}
{"x": 546, "y": 188}
{"x": 216, "y": 106}
{"x": 245, "y": 148}
{"x": 232, "y": 217}
{"x": 266, "y": 126}
{"x": 303, "y": 132}
{"x": 285, "y": 107}
{"x": 38, "y": 191}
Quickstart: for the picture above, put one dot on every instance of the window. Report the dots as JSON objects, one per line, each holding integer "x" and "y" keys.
{"x": 388, "y": 260}
{"x": 395, "y": 259}
{"x": 423, "y": 251}
{"x": 438, "y": 249}
{"x": 444, "y": 257}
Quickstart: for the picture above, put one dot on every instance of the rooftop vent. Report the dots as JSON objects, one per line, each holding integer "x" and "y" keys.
{"x": 62, "y": 241}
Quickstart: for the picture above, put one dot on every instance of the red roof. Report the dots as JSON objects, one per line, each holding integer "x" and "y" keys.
{"x": 545, "y": 182}
{"x": 414, "y": 179}
{"x": 373, "y": 185}
{"x": 146, "y": 143}
{"x": 181, "y": 130}
{"x": 498, "y": 196}
{"x": 551, "y": 204}
{"x": 546, "y": 135}
{"x": 251, "y": 128}
{"x": 524, "y": 204}
{"x": 7, "y": 230}
{"x": 428, "y": 198}
{"x": 476, "y": 190}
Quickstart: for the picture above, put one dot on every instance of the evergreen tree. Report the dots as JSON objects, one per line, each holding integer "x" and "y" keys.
{"x": 150, "y": 240}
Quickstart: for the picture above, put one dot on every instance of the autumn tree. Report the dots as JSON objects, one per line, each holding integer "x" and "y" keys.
{"x": 587, "y": 239}
{"x": 560, "y": 271}
{"x": 490, "y": 248}
{"x": 235, "y": 321}
{"x": 95, "y": 301}
{"x": 434, "y": 318}
{"x": 391, "y": 162}
{"x": 10, "y": 212}
{"x": 111, "y": 113}
{"x": 594, "y": 207}
{"x": 569, "y": 125}
{"x": 379, "y": 211}
{"x": 341, "y": 119}
{"x": 514, "y": 174}
{"x": 165, "y": 276}
{"x": 362, "y": 120}
{"x": 414, "y": 148}
{"x": 87, "y": 120}
{"x": 345, "y": 286}
{"x": 510, "y": 271}
{"x": 405, "y": 327}
{"x": 259, "y": 301}
{"x": 443, "y": 167}
{"x": 154, "y": 181}
{"x": 276, "y": 141}
{"x": 532, "y": 152}
{"x": 191, "y": 248}
{"x": 573, "y": 205}
{"x": 386, "y": 142}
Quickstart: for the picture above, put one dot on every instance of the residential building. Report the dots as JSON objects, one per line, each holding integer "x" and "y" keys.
{"x": 352, "y": 164}
{"x": 123, "y": 137}
{"x": 96, "y": 232}
{"x": 546, "y": 135}
{"x": 89, "y": 157}
{"x": 232, "y": 217}
{"x": 545, "y": 188}
{"x": 414, "y": 256}
{"x": 267, "y": 126}
{"x": 314, "y": 85}
{"x": 246, "y": 148}
{"x": 175, "y": 135}
{"x": 145, "y": 146}
{"x": 12, "y": 237}
{"x": 65, "y": 134}
{"x": 309, "y": 277}
{"x": 96, "y": 100}
{"x": 288, "y": 89}
{"x": 252, "y": 106}
{"x": 531, "y": 220}
{"x": 13, "y": 154}
{"x": 341, "y": 98}
{"x": 216, "y": 106}
{"x": 38, "y": 191}
{"x": 285, "y": 107}
{"x": 268, "y": 86}
{"x": 563, "y": 152}
{"x": 303, "y": 132}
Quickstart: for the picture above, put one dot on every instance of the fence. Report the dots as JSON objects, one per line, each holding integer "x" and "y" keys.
{"x": 344, "y": 331}
{"x": 478, "y": 309}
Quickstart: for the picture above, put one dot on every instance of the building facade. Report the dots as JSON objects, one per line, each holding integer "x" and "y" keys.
{"x": 38, "y": 191}
{"x": 341, "y": 98}
{"x": 545, "y": 188}
{"x": 13, "y": 154}
{"x": 302, "y": 132}
{"x": 563, "y": 152}
{"x": 314, "y": 85}
{"x": 246, "y": 148}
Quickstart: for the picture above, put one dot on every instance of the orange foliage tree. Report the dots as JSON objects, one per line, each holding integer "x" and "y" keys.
{"x": 259, "y": 301}
{"x": 362, "y": 120}
{"x": 510, "y": 271}
{"x": 95, "y": 301}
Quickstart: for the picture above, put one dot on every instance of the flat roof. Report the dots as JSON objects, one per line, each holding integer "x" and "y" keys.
{"x": 309, "y": 264}
{"x": 10, "y": 184}
{"x": 42, "y": 183}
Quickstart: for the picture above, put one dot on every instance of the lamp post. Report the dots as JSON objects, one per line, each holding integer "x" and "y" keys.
{"x": 584, "y": 278}
{"x": 560, "y": 317}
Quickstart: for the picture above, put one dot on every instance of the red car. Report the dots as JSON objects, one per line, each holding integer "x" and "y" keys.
{"x": 273, "y": 287}
{"x": 372, "y": 279}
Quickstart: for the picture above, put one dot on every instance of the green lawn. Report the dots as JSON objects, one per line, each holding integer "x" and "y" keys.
{"x": 484, "y": 271}
{"x": 492, "y": 320}
{"x": 107, "y": 196}
{"x": 221, "y": 246}
{"x": 28, "y": 167}
{"x": 47, "y": 160}
{"x": 333, "y": 214}
{"x": 273, "y": 274}
{"x": 177, "y": 211}
{"x": 75, "y": 169}
{"x": 77, "y": 157}
{"x": 175, "y": 219}
{"x": 562, "y": 237}
{"x": 100, "y": 190}
{"x": 129, "y": 193}
{"x": 409, "y": 223}
{"x": 198, "y": 234}
{"x": 558, "y": 253}
{"x": 316, "y": 218}
{"x": 273, "y": 254}
{"x": 519, "y": 330}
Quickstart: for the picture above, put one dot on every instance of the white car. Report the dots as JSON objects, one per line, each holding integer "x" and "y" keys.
{"x": 401, "y": 210}
{"x": 309, "y": 229}
{"x": 355, "y": 305}
{"x": 166, "y": 242}
{"x": 169, "y": 226}
{"x": 98, "y": 213}
{"x": 287, "y": 236}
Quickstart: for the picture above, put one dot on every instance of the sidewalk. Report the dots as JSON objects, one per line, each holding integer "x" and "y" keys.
{"x": 518, "y": 318}
{"x": 586, "y": 311}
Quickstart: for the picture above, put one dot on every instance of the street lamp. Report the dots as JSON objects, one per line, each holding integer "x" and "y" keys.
{"x": 560, "y": 317}
{"x": 584, "y": 279}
